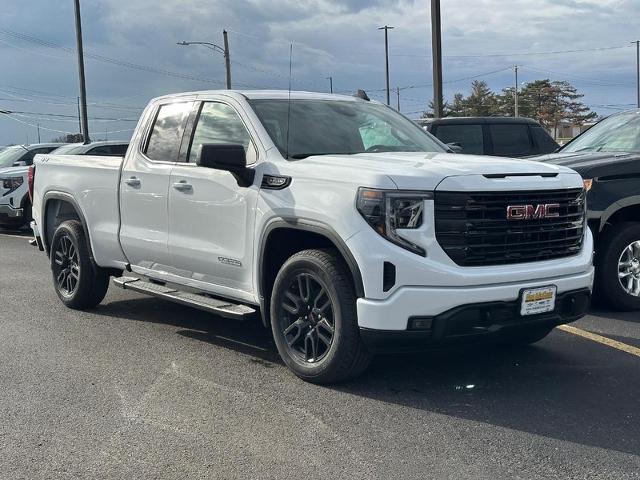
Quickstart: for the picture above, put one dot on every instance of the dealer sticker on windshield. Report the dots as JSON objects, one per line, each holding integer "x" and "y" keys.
{"x": 538, "y": 300}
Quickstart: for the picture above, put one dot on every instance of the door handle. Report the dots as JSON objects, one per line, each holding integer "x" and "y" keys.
{"x": 132, "y": 181}
{"x": 183, "y": 186}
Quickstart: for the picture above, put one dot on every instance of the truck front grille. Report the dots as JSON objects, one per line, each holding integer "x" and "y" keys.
{"x": 473, "y": 229}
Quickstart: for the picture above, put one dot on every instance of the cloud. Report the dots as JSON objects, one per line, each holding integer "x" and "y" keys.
{"x": 330, "y": 38}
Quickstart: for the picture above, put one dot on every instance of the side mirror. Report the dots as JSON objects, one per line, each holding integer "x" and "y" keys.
{"x": 20, "y": 163}
{"x": 228, "y": 157}
{"x": 455, "y": 147}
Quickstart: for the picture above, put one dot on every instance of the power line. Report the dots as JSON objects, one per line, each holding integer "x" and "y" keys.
{"x": 516, "y": 54}
{"x": 114, "y": 61}
{"x": 35, "y": 125}
{"x": 42, "y": 115}
{"x": 576, "y": 77}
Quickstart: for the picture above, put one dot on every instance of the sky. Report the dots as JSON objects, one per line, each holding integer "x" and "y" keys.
{"x": 132, "y": 54}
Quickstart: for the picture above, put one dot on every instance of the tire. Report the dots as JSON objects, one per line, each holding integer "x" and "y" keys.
{"x": 527, "y": 337}
{"x": 26, "y": 214}
{"x": 617, "y": 244}
{"x": 79, "y": 282}
{"x": 314, "y": 319}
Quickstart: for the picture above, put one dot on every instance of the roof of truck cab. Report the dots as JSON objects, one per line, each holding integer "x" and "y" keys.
{"x": 266, "y": 94}
{"x": 482, "y": 120}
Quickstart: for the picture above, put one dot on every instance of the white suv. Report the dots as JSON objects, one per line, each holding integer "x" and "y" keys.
{"x": 15, "y": 206}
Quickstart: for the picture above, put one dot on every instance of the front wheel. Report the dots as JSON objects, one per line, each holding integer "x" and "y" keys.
{"x": 78, "y": 281}
{"x": 314, "y": 319}
{"x": 618, "y": 266}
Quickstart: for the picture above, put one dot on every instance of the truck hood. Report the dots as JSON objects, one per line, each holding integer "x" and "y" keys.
{"x": 586, "y": 162}
{"x": 13, "y": 171}
{"x": 427, "y": 170}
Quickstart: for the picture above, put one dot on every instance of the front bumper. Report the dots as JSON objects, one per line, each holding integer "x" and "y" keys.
{"x": 476, "y": 322}
{"x": 7, "y": 211}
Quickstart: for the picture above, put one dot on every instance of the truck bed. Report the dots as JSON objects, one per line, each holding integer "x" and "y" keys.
{"x": 93, "y": 183}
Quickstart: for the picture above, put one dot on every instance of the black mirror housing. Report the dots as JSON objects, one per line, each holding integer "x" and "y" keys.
{"x": 222, "y": 156}
{"x": 229, "y": 157}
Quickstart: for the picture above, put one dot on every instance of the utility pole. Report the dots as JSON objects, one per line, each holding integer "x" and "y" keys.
{"x": 386, "y": 56}
{"x": 516, "y": 92}
{"x": 84, "y": 123}
{"x": 227, "y": 58}
{"x": 398, "y": 95}
{"x": 39, "y": 133}
{"x": 330, "y": 84}
{"x": 436, "y": 48}
{"x": 637, "y": 42}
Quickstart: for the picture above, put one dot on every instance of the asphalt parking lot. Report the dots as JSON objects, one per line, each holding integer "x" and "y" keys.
{"x": 142, "y": 388}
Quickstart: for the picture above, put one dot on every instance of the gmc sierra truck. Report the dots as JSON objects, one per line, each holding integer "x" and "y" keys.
{"x": 346, "y": 226}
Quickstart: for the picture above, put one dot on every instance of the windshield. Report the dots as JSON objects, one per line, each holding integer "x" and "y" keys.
{"x": 72, "y": 149}
{"x": 321, "y": 127}
{"x": 618, "y": 133}
{"x": 11, "y": 155}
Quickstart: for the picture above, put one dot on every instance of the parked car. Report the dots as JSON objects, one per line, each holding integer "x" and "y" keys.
{"x": 104, "y": 148}
{"x": 608, "y": 158}
{"x": 15, "y": 205}
{"x": 498, "y": 136}
{"x": 352, "y": 232}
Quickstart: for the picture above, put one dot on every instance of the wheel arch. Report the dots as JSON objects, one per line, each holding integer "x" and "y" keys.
{"x": 300, "y": 235}
{"x": 56, "y": 208}
{"x": 624, "y": 210}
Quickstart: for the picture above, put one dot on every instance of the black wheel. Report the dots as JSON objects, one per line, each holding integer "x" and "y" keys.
{"x": 618, "y": 267}
{"x": 78, "y": 281}
{"x": 527, "y": 337}
{"x": 314, "y": 319}
{"x": 26, "y": 214}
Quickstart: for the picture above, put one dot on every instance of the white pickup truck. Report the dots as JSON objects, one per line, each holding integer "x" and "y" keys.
{"x": 348, "y": 228}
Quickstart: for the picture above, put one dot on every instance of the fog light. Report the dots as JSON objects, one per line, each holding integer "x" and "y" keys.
{"x": 420, "y": 323}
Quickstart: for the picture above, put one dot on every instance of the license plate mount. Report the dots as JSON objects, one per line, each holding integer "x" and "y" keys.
{"x": 535, "y": 301}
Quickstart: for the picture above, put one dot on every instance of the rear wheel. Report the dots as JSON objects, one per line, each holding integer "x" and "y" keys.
{"x": 314, "y": 320}
{"x": 618, "y": 266}
{"x": 78, "y": 281}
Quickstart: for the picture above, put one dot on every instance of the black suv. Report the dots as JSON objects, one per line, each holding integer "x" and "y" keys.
{"x": 502, "y": 136}
{"x": 608, "y": 158}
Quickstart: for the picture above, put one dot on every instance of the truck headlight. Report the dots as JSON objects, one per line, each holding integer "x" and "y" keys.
{"x": 12, "y": 184}
{"x": 388, "y": 211}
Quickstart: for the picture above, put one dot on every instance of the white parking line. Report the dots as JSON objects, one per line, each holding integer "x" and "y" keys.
{"x": 26, "y": 237}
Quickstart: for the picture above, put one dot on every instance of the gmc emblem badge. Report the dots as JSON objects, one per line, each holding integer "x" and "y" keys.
{"x": 537, "y": 212}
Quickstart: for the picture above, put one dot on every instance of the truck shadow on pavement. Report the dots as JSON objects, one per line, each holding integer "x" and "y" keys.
{"x": 564, "y": 387}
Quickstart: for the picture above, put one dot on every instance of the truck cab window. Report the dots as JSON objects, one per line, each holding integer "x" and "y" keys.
{"x": 219, "y": 123}
{"x": 166, "y": 136}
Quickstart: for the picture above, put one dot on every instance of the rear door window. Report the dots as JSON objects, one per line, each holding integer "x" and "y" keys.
{"x": 511, "y": 140}
{"x": 168, "y": 128}
{"x": 469, "y": 137}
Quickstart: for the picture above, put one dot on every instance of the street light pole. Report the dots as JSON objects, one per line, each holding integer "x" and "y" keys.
{"x": 398, "y": 95}
{"x": 216, "y": 48}
{"x": 84, "y": 122}
{"x": 386, "y": 56}
{"x": 436, "y": 48}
